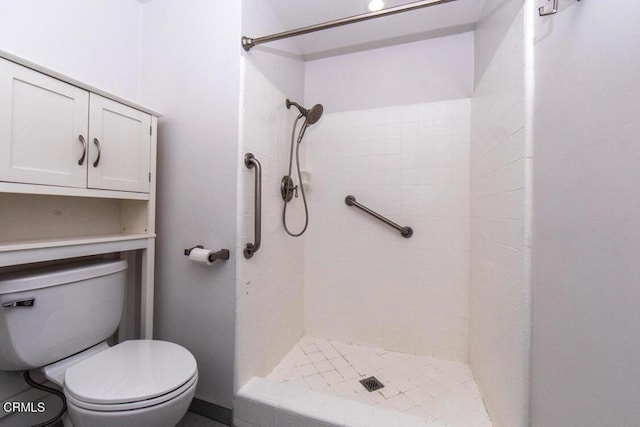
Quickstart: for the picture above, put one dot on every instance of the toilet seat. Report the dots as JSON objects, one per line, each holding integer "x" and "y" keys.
{"x": 133, "y": 405}
{"x": 131, "y": 375}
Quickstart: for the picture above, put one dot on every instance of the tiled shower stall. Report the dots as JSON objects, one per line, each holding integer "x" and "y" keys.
{"x": 352, "y": 298}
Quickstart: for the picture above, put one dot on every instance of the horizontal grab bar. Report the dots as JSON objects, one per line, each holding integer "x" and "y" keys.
{"x": 405, "y": 231}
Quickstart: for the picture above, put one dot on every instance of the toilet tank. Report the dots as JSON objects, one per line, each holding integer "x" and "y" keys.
{"x": 49, "y": 313}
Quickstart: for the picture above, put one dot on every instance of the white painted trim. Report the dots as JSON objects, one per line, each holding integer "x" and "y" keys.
{"x": 51, "y": 190}
{"x": 15, "y": 253}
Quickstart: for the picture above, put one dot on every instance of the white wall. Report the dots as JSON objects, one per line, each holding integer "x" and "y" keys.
{"x": 269, "y": 285}
{"x": 106, "y": 56}
{"x": 364, "y": 282}
{"x": 586, "y": 334}
{"x": 96, "y": 42}
{"x": 412, "y": 73}
{"x": 500, "y": 187}
{"x": 278, "y": 61}
{"x": 497, "y": 17}
{"x": 190, "y": 72}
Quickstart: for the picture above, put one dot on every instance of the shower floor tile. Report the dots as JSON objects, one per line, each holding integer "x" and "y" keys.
{"x": 442, "y": 392}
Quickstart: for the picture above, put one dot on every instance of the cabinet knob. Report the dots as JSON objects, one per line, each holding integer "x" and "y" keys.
{"x": 95, "y": 141}
{"x": 84, "y": 149}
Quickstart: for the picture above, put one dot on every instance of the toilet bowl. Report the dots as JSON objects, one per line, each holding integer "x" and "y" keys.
{"x": 53, "y": 317}
{"x": 135, "y": 383}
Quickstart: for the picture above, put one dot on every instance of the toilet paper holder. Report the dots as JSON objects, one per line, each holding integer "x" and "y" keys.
{"x": 221, "y": 254}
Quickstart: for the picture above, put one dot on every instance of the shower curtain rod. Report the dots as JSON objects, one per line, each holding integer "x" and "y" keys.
{"x": 248, "y": 42}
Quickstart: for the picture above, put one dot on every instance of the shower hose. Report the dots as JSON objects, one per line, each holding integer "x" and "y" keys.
{"x": 304, "y": 198}
{"x": 56, "y": 420}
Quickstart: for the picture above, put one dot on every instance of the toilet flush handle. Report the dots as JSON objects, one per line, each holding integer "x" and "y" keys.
{"x": 28, "y": 302}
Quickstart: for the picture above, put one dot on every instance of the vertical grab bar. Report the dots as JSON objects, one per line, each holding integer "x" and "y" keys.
{"x": 251, "y": 248}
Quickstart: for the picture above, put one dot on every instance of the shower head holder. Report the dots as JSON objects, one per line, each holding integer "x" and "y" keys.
{"x": 287, "y": 188}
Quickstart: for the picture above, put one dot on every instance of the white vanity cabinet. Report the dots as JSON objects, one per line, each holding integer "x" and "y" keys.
{"x": 55, "y": 133}
{"x": 77, "y": 179}
{"x": 119, "y": 146}
{"x": 44, "y": 127}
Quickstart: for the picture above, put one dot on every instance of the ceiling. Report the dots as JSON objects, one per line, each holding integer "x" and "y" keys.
{"x": 445, "y": 19}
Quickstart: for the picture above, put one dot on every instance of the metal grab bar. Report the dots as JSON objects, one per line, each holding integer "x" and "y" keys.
{"x": 541, "y": 10}
{"x": 554, "y": 10}
{"x": 249, "y": 42}
{"x": 405, "y": 231}
{"x": 251, "y": 248}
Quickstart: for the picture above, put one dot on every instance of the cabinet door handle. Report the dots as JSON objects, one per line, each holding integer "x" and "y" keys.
{"x": 84, "y": 149}
{"x": 95, "y": 141}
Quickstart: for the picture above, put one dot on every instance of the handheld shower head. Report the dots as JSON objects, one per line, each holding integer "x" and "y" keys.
{"x": 287, "y": 187}
{"x": 312, "y": 115}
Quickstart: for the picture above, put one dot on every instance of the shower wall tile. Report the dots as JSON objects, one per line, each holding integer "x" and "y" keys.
{"x": 499, "y": 286}
{"x": 269, "y": 312}
{"x": 364, "y": 282}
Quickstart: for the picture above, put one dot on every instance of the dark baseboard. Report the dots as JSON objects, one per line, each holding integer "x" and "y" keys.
{"x": 212, "y": 411}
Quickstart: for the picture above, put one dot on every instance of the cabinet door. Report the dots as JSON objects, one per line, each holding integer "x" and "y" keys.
{"x": 43, "y": 123}
{"x": 119, "y": 146}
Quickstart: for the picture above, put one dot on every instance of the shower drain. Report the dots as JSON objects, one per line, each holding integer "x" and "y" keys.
{"x": 371, "y": 384}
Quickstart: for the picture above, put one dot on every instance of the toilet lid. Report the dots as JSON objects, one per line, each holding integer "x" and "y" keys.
{"x": 130, "y": 372}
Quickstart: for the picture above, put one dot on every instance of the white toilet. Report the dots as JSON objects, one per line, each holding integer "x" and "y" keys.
{"x": 57, "y": 319}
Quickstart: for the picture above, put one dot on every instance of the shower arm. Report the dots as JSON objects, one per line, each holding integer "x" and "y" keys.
{"x": 249, "y": 42}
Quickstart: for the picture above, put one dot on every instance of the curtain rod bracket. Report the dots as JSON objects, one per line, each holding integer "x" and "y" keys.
{"x": 247, "y": 43}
